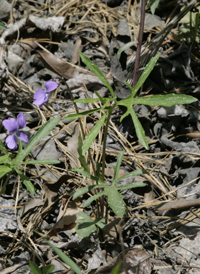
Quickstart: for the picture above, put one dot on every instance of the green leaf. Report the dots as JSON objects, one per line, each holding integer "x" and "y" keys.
{"x": 133, "y": 173}
{"x": 86, "y": 174}
{"x": 86, "y": 225}
{"x": 4, "y": 158}
{"x": 65, "y": 258}
{"x": 4, "y": 170}
{"x": 119, "y": 161}
{"x": 125, "y": 47}
{"x": 79, "y": 115}
{"x": 2, "y": 26}
{"x": 94, "y": 197}
{"x": 115, "y": 201}
{"x": 35, "y": 268}
{"x": 26, "y": 181}
{"x": 82, "y": 157}
{"x": 133, "y": 185}
{"x": 41, "y": 162}
{"x": 89, "y": 138}
{"x": 139, "y": 129}
{"x": 116, "y": 269}
{"x": 165, "y": 100}
{"x": 86, "y": 189}
{"x": 42, "y": 133}
{"x": 97, "y": 72}
{"x": 153, "y": 5}
{"x": 49, "y": 268}
{"x": 87, "y": 100}
{"x": 3, "y": 148}
{"x": 149, "y": 67}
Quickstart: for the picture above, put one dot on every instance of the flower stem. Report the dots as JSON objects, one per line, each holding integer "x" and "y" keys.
{"x": 139, "y": 45}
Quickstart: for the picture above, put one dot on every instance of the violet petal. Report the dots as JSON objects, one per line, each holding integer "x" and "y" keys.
{"x": 39, "y": 93}
{"x": 22, "y": 136}
{"x": 10, "y": 124}
{"x": 51, "y": 85}
{"x": 11, "y": 141}
{"x": 41, "y": 99}
{"x": 21, "y": 120}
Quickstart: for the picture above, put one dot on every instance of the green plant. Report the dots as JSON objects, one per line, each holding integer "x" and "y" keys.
{"x": 189, "y": 29}
{"x": 114, "y": 198}
{"x": 46, "y": 270}
{"x": 10, "y": 162}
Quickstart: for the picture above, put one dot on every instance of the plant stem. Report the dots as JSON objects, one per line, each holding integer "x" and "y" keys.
{"x": 139, "y": 45}
{"x": 3, "y": 189}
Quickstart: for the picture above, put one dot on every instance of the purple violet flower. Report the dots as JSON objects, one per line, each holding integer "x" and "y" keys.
{"x": 14, "y": 127}
{"x": 42, "y": 95}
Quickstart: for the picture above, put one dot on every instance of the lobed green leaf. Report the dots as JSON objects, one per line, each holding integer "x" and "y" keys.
{"x": 3, "y": 148}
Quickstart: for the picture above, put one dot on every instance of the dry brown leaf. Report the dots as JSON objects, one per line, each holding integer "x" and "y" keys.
{"x": 66, "y": 219}
{"x": 57, "y": 65}
{"x": 179, "y": 204}
{"x": 51, "y": 190}
{"x": 31, "y": 204}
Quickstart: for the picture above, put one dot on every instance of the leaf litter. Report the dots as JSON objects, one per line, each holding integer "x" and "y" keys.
{"x": 160, "y": 233}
